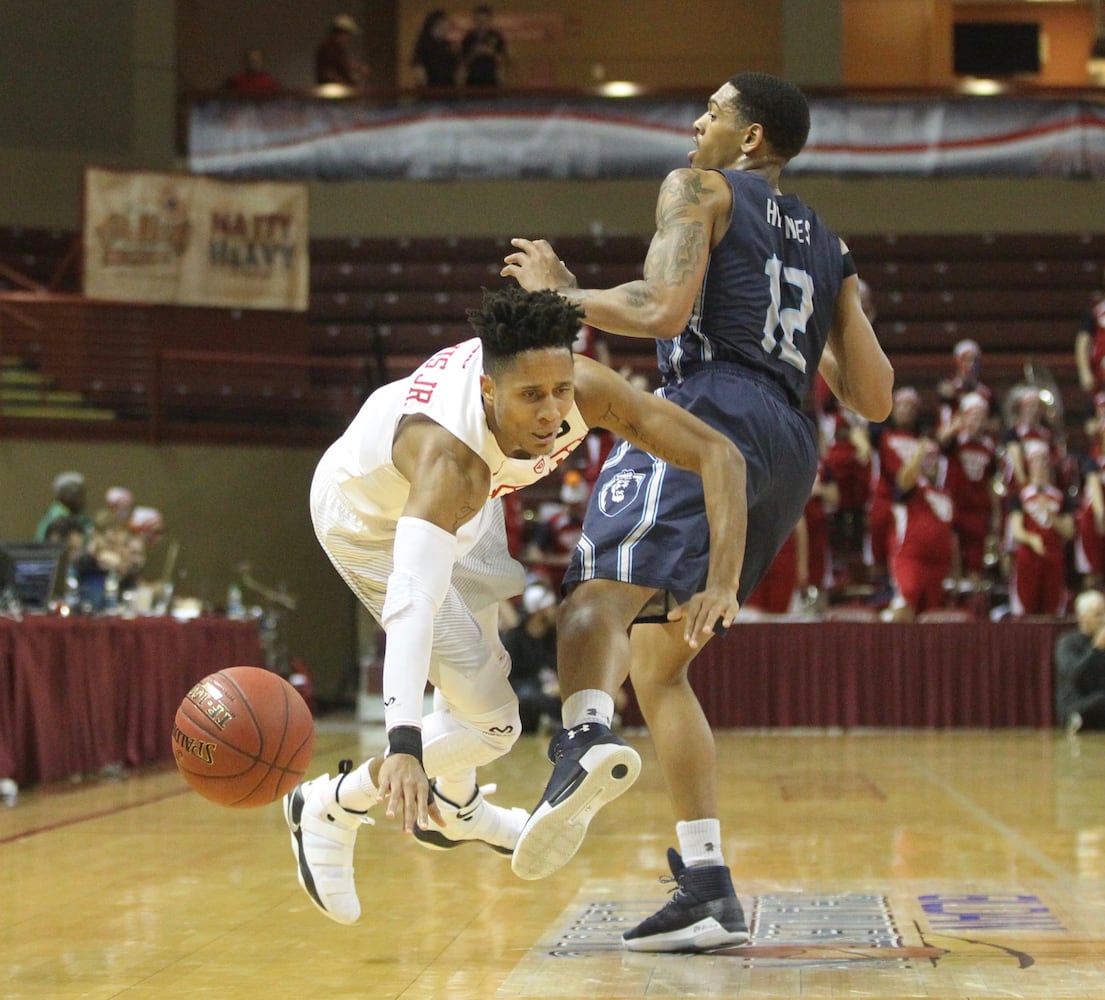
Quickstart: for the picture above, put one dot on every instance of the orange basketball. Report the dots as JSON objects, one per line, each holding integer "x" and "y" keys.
{"x": 243, "y": 737}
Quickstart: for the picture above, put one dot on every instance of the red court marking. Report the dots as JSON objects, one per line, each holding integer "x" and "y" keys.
{"x": 87, "y": 817}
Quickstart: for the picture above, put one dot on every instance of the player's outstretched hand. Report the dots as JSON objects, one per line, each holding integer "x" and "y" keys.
{"x": 404, "y": 784}
{"x": 536, "y": 267}
{"x": 702, "y": 612}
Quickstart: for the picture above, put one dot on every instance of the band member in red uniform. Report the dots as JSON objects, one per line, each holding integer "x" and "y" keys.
{"x": 923, "y": 542}
{"x": 1041, "y": 525}
{"x": 965, "y": 378}
{"x": 789, "y": 571}
{"x": 820, "y": 507}
{"x": 1029, "y": 424}
{"x": 894, "y": 442}
{"x": 1090, "y": 544}
{"x": 847, "y": 459}
{"x": 971, "y": 452}
{"x": 1089, "y": 347}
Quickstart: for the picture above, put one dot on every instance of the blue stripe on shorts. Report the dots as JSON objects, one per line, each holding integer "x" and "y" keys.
{"x": 646, "y": 520}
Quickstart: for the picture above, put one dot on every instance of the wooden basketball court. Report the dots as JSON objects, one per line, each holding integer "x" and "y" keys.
{"x": 882, "y": 864}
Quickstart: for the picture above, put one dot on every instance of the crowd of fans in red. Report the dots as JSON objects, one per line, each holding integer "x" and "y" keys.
{"x": 977, "y": 504}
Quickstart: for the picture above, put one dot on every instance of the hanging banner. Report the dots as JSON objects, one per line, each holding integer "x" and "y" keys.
{"x": 586, "y": 138}
{"x": 185, "y": 240}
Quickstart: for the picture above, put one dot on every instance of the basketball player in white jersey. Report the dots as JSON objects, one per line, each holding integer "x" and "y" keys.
{"x": 405, "y": 504}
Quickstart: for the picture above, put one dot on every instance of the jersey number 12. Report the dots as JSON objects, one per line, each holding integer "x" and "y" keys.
{"x": 780, "y": 325}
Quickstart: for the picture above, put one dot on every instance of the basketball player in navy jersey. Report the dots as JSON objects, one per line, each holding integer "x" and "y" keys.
{"x": 747, "y": 294}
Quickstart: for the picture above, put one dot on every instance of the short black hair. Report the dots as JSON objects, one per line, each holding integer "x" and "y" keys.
{"x": 512, "y": 320}
{"x": 780, "y": 107}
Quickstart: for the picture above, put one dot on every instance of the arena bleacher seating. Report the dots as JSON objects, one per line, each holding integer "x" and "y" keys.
{"x": 379, "y": 305}
{"x": 1021, "y": 297}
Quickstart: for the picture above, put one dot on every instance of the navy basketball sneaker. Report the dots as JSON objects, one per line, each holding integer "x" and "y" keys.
{"x": 591, "y": 767}
{"x": 704, "y": 913}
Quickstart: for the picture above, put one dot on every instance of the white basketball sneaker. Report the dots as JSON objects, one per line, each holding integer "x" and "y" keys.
{"x": 476, "y": 821}
{"x": 323, "y": 835}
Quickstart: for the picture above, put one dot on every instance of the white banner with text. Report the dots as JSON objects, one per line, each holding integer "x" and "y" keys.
{"x": 182, "y": 239}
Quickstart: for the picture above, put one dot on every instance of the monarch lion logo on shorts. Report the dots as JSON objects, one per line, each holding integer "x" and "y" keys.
{"x": 620, "y": 492}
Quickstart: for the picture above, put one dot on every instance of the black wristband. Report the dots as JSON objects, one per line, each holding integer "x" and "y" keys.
{"x": 406, "y": 739}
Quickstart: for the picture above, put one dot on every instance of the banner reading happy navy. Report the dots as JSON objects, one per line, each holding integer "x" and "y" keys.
{"x": 182, "y": 239}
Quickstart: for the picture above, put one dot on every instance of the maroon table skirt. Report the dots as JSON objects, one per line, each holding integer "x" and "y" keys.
{"x": 79, "y": 694}
{"x": 855, "y": 674}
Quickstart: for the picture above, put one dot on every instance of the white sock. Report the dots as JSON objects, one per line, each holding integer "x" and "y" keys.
{"x": 587, "y": 706}
{"x": 357, "y": 792}
{"x": 700, "y": 842}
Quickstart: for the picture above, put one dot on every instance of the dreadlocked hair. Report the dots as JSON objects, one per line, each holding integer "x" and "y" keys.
{"x": 512, "y": 320}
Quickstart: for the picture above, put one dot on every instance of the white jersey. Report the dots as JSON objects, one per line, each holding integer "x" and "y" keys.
{"x": 446, "y": 388}
{"x": 357, "y": 498}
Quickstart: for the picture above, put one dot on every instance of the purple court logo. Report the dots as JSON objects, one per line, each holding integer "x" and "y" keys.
{"x": 620, "y": 491}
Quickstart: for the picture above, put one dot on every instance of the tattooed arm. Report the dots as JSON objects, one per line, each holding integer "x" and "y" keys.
{"x": 606, "y": 399}
{"x": 692, "y": 213}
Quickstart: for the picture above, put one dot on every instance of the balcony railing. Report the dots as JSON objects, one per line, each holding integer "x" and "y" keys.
{"x": 78, "y": 367}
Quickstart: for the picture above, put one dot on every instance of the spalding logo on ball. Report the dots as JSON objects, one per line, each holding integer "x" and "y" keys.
{"x": 243, "y": 737}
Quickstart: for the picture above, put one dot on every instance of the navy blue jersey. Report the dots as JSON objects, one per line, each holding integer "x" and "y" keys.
{"x": 769, "y": 293}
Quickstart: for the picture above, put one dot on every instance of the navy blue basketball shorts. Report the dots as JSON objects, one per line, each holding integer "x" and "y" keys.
{"x": 646, "y": 519}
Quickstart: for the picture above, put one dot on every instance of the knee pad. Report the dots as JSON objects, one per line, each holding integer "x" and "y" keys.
{"x": 499, "y": 729}
{"x": 451, "y": 743}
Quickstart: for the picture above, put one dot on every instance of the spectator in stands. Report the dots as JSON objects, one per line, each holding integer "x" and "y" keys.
{"x": 894, "y": 443}
{"x": 591, "y": 343}
{"x": 965, "y": 378}
{"x": 117, "y": 546}
{"x": 596, "y": 448}
{"x": 69, "y": 531}
{"x": 483, "y": 51}
{"x": 70, "y": 497}
{"x": 822, "y": 504}
{"x": 149, "y": 523}
{"x": 557, "y": 533}
{"x": 514, "y": 516}
{"x": 972, "y": 467}
{"x": 1067, "y": 466}
{"x": 787, "y": 574}
{"x": 532, "y": 647}
{"x": 1090, "y": 542}
{"x": 1089, "y": 347}
{"x": 1095, "y": 421}
{"x": 1029, "y": 423}
{"x": 846, "y": 447}
{"x": 922, "y": 545}
{"x": 1040, "y": 526}
{"x": 253, "y": 79}
{"x": 435, "y": 59}
{"x": 1080, "y": 667}
{"x": 335, "y": 62}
